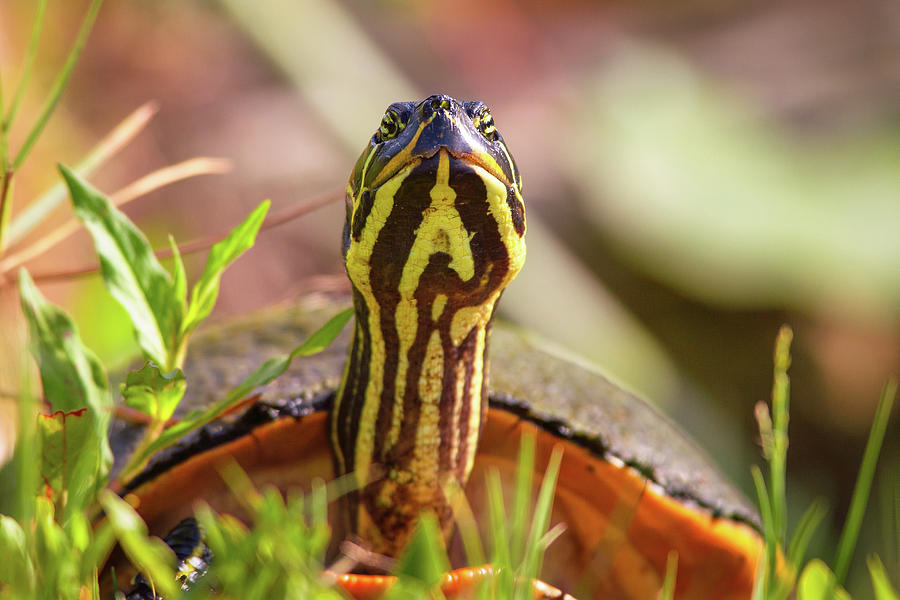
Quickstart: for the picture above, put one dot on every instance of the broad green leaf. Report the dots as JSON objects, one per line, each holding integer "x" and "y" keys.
{"x": 131, "y": 271}
{"x": 425, "y": 558}
{"x": 153, "y": 392}
{"x": 880, "y": 581}
{"x": 817, "y": 582}
{"x": 72, "y": 469}
{"x": 151, "y": 556}
{"x": 72, "y": 377}
{"x": 268, "y": 371}
{"x": 206, "y": 290}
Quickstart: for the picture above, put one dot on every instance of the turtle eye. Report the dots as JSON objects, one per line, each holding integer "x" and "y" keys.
{"x": 391, "y": 125}
{"x": 484, "y": 121}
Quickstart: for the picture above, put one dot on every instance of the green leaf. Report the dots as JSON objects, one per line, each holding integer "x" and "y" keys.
{"x": 133, "y": 275}
{"x": 880, "y": 581}
{"x": 151, "y": 556}
{"x": 268, "y": 371}
{"x": 804, "y": 531}
{"x": 153, "y": 392}
{"x": 817, "y": 582}
{"x": 667, "y": 592}
{"x": 179, "y": 277}
{"x": 206, "y": 290}
{"x": 72, "y": 468}
{"x": 425, "y": 558}
{"x": 72, "y": 377}
{"x": 16, "y": 568}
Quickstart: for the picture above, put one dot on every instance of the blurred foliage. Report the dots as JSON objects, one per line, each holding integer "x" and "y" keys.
{"x": 737, "y": 166}
{"x": 704, "y": 194}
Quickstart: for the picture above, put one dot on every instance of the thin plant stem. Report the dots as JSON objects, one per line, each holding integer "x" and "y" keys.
{"x": 59, "y": 85}
{"x": 118, "y": 138}
{"x": 27, "y": 66}
{"x": 4, "y": 128}
{"x": 184, "y": 170}
{"x": 5, "y": 174}
{"x": 781, "y": 389}
{"x": 5, "y": 206}
{"x": 197, "y": 245}
{"x": 850, "y": 533}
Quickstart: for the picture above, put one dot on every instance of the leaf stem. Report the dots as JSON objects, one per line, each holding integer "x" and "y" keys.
{"x": 850, "y": 533}
{"x": 30, "y": 54}
{"x": 59, "y": 85}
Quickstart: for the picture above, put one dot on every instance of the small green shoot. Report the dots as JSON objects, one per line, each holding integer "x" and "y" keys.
{"x": 423, "y": 564}
{"x": 153, "y": 392}
{"x": 776, "y": 581}
{"x": 881, "y": 584}
{"x": 667, "y": 592}
{"x": 265, "y": 373}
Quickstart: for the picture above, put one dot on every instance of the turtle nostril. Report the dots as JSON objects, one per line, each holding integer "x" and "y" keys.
{"x": 435, "y": 103}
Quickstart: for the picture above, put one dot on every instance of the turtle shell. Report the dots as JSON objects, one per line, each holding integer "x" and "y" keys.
{"x": 632, "y": 487}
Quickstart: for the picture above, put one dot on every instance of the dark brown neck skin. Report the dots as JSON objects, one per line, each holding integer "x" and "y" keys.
{"x": 410, "y": 421}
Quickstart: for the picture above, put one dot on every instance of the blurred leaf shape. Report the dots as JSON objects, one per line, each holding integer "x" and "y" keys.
{"x": 71, "y": 461}
{"x": 706, "y": 196}
{"x": 153, "y": 392}
{"x": 76, "y": 456}
{"x": 817, "y": 582}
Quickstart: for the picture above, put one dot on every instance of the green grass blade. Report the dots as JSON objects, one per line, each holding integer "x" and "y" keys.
{"x": 667, "y": 592}
{"x": 465, "y": 521}
{"x": 6, "y": 202}
{"x": 500, "y": 551}
{"x": 860, "y": 498}
{"x": 804, "y": 531}
{"x": 59, "y": 85}
{"x": 424, "y": 558}
{"x": 881, "y": 584}
{"x": 30, "y": 53}
{"x": 534, "y": 550}
{"x": 522, "y": 500}
{"x": 765, "y": 510}
{"x": 4, "y": 130}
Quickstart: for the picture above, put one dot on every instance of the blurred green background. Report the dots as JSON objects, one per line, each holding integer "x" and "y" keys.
{"x": 696, "y": 174}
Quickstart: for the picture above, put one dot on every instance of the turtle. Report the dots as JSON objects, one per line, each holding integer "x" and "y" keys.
{"x": 428, "y": 390}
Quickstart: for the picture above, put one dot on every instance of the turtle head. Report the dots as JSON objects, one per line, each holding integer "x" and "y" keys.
{"x": 434, "y": 233}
